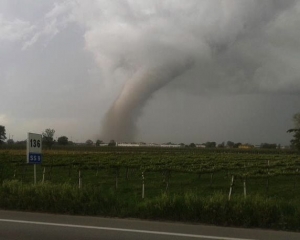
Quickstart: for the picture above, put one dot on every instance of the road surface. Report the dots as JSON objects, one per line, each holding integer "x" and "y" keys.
{"x": 40, "y": 226}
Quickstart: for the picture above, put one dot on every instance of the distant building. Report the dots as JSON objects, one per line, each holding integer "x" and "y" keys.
{"x": 200, "y": 146}
{"x": 170, "y": 145}
{"x": 152, "y": 145}
{"x": 246, "y": 146}
{"x": 128, "y": 145}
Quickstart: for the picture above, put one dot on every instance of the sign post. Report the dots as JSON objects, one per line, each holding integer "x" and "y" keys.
{"x": 34, "y": 151}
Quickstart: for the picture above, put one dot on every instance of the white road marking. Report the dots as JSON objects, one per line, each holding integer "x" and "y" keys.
{"x": 123, "y": 230}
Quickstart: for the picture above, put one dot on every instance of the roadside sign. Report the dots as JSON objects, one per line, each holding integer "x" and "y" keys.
{"x": 34, "y": 148}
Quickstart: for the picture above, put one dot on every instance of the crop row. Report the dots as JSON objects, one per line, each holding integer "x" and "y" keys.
{"x": 243, "y": 164}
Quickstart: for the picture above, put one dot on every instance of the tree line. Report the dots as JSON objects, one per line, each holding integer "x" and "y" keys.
{"x": 48, "y": 139}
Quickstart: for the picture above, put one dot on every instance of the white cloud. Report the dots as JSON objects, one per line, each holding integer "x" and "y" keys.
{"x": 14, "y": 30}
{"x": 4, "y": 119}
{"x": 54, "y": 21}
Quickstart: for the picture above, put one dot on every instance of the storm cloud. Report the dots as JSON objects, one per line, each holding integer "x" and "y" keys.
{"x": 161, "y": 53}
{"x": 233, "y": 43}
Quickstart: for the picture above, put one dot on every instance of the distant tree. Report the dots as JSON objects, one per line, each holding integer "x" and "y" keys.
{"x": 279, "y": 146}
{"x": 210, "y": 144}
{"x": 230, "y": 144}
{"x": 182, "y": 144}
{"x": 89, "y": 142}
{"x": 193, "y": 145}
{"x": 63, "y": 140}
{"x": 236, "y": 145}
{"x": 21, "y": 142}
{"x": 296, "y": 120}
{"x": 2, "y": 134}
{"x": 48, "y": 137}
{"x": 295, "y": 142}
{"x": 268, "y": 145}
{"x": 98, "y": 142}
{"x": 112, "y": 143}
{"x": 10, "y": 141}
{"x": 221, "y": 145}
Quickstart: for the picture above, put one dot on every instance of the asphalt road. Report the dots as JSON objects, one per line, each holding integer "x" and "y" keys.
{"x": 40, "y": 226}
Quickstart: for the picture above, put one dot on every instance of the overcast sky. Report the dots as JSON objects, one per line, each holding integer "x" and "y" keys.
{"x": 197, "y": 70}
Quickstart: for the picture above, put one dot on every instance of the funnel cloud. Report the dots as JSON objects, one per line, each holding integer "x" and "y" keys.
{"x": 120, "y": 120}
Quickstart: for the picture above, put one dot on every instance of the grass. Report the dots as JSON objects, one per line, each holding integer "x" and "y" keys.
{"x": 278, "y": 186}
{"x": 254, "y": 211}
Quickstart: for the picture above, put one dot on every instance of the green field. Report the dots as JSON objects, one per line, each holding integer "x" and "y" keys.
{"x": 174, "y": 170}
{"x": 183, "y": 177}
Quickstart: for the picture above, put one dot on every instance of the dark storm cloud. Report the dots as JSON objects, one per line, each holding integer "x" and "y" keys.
{"x": 233, "y": 45}
{"x": 241, "y": 50}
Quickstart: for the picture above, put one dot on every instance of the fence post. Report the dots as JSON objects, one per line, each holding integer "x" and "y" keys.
{"x": 117, "y": 174}
{"x": 34, "y": 174}
{"x": 50, "y": 172}
{"x": 44, "y": 171}
{"x": 98, "y": 169}
{"x": 295, "y": 180}
{"x": 245, "y": 193}
{"x": 127, "y": 173}
{"x": 267, "y": 187}
{"x": 231, "y": 187}
{"x": 79, "y": 179}
{"x": 168, "y": 175}
{"x": 143, "y": 186}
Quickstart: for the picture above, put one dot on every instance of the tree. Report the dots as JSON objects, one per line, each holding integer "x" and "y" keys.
{"x": 193, "y": 145}
{"x": 230, "y": 144}
{"x": 48, "y": 137}
{"x": 296, "y": 120}
{"x": 98, "y": 142}
{"x": 2, "y": 134}
{"x": 10, "y": 141}
{"x": 268, "y": 145}
{"x": 23, "y": 142}
{"x": 210, "y": 144}
{"x": 89, "y": 142}
{"x": 236, "y": 145}
{"x": 112, "y": 143}
{"x": 295, "y": 142}
{"x": 63, "y": 140}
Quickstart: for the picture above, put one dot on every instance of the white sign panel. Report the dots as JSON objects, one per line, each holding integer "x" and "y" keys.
{"x": 34, "y": 148}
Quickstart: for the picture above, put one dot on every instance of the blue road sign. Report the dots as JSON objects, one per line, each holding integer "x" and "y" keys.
{"x": 35, "y": 158}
